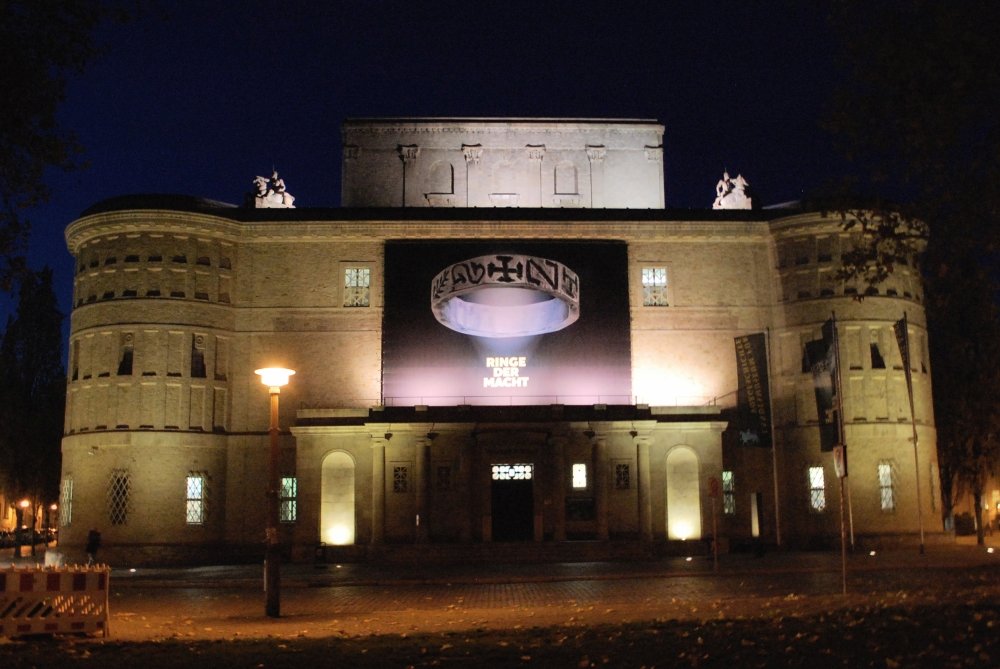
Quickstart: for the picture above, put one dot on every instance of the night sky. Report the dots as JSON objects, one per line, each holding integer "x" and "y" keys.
{"x": 201, "y": 97}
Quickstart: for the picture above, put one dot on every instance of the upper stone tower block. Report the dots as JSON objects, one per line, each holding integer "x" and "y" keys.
{"x": 450, "y": 162}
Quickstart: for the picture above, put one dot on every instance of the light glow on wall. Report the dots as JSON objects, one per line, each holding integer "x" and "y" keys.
{"x": 661, "y": 386}
{"x": 337, "y": 500}
{"x": 338, "y": 535}
{"x": 683, "y": 500}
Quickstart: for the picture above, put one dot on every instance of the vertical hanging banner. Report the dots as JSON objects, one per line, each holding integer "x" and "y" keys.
{"x": 754, "y": 392}
{"x": 821, "y": 355}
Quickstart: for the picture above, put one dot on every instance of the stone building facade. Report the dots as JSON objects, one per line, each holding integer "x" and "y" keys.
{"x": 587, "y": 407}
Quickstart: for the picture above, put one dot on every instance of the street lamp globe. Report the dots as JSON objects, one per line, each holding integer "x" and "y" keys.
{"x": 274, "y": 377}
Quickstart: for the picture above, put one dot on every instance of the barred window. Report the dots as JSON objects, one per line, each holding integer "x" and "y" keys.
{"x": 66, "y": 502}
{"x": 817, "y": 489}
{"x": 886, "y": 489}
{"x": 357, "y": 286}
{"x": 400, "y": 478}
{"x": 119, "y": 494}
{"x": 196, "y": 494}
{"x": 579, "y": 476}
{"x": 623, "y": 476}
{"x": 289, "y": 499}
{"x": 728, "y": 493}
{"x": 654, "y": 286}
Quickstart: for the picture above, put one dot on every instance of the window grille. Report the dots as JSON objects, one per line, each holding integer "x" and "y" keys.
{"x": 887, "y": 492}
{"x": 817, "y": 489}
{"x": 195, "y": 499}
{"x": 288, "y": 497}
{"x": 728, "y": 493}
{"x": 357, "y": 286}
{"x": 400, "y": 478}
{"x": 623, "y": 476}
{"x": 66, "y": 502}
{"x": 119, "y": 493}
{"x": 654, "y": 286}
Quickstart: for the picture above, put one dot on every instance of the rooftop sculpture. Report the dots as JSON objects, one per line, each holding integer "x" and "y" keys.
{"x": 270, "y": 193}
{"x": 732, "y": 193}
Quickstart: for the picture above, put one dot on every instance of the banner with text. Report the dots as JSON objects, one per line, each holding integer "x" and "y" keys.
{"x": 754, "y": 394}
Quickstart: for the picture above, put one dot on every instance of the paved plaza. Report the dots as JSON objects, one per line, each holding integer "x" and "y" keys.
{"x": 353, "y": 599}
{"x": 902, "y": 609}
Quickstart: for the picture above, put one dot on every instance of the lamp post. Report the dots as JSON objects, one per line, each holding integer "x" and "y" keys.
{"x": 24, "y": 504}
{"x": 273, "y": 378}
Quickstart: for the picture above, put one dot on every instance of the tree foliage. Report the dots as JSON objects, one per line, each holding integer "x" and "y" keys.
{"x": 32, "y": 396}
{"x": 42, "y": 44}
{"x": 916, "y": 114}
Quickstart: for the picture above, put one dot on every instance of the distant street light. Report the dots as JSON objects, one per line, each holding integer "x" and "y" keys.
{"x": 274, "y": 378}
{"x": 24, "y": 504}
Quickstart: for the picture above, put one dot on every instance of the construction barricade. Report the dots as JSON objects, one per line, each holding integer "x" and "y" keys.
{"x": 62, "y": 600}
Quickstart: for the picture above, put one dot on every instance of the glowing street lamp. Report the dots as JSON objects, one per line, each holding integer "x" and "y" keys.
{"x": 24, "y": 504}
{"x": 274, "y": 378}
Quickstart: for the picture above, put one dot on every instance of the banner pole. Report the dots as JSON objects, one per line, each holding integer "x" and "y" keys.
{"x": 774, "y": 444}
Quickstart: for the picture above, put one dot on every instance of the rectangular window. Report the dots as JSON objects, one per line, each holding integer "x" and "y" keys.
{"x": 195, "y": 513}
{"x": 357, "y": 286}
{"x": 288, "y": 499}
{"x": 623, "y": 476}
{"x": 119, "y": 493}
{"x": 654, "y": 286}
{"x": 400, "y": 478}
{"x": 66, "y": 502}
{"x": 886, "y": 490}
{"x": 728, "y": 493}
{"x": 579, "y": 476}
{"x": 817, "y": 489}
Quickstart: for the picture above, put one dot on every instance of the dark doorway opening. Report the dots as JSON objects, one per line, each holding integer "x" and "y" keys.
{"x": 513, "y": 510}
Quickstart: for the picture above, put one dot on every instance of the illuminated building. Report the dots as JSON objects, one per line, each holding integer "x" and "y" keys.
{"x": 503, "y": 337}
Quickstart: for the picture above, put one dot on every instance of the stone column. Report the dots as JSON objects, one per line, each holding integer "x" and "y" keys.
{"x": 558, "y": 486}
{"x": 600, "y": 458}
{"x": 378, "y": 489}
{"x": 423, "y": 476}
{"x": 596, "y": 156}
{"x": 408, "y": 154}
{"x": 473, "y": 153}
{"x": 535, "y": 154}
{"x": 645, "y": 502}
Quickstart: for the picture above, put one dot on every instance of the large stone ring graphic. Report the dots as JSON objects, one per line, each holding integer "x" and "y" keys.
{"x": 506, "y": 295}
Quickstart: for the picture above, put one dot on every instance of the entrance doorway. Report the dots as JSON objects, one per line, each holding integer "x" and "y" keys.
{"x": 512, "y": 502}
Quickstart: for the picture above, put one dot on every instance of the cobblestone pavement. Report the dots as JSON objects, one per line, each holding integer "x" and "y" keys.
{"x": 316, "y": 602}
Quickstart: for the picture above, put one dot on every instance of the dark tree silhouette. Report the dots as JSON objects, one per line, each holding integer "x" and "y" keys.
{"x": 42, "y": 44}
{"x": 33, "y": 392}
{"x": 915, "y": 113}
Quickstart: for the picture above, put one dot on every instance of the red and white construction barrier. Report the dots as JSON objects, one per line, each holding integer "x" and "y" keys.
{"x": 44, "y": 600}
